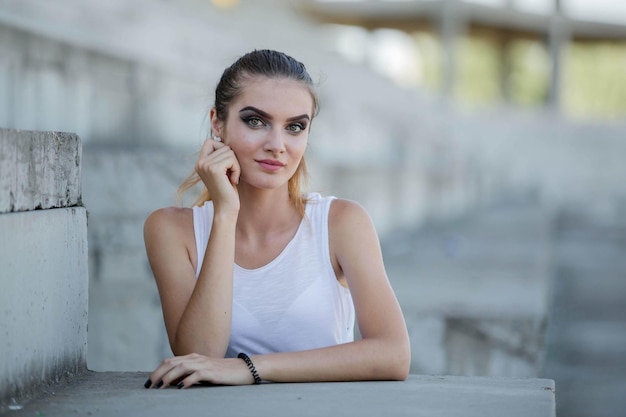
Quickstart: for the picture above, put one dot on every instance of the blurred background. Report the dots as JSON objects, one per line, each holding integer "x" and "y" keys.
{"x": 486, "y": 138}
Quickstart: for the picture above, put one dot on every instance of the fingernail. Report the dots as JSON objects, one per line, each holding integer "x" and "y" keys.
{"x": 148, "y": 383}
{"x": 160, "y": 384}
{"x": 180, "y": 385}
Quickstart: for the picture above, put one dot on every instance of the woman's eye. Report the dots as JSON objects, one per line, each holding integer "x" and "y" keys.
{"x": 254, "y": 122}
{"x": 296, "y": 128}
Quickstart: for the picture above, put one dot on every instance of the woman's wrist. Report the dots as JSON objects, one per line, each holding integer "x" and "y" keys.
{"x": 226, "y": 207}
{"x": 225, "y": 216}
{"x": 255, "y": 375}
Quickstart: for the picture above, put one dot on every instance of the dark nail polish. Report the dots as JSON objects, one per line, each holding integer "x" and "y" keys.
{"x": 180, "y": 385}
{"x": 148, "y": 383}
{"x": 160, "y": 384}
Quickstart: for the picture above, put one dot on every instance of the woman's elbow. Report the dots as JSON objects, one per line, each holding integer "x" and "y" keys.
{"x": 400, "y": 374}
{"x": 399, "y": 371}
{"x": 398, "y": 364}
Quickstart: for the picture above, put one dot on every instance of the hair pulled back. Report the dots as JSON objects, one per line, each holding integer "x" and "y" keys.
{"x": 264, "y": 63}
{"x": 259, "y": 63}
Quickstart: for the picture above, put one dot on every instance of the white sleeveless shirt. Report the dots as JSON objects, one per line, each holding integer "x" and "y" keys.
{"x": 294, "y": 302}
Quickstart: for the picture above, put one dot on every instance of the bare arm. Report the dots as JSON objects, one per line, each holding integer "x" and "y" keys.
{"x": 205, "y": 324}
{"x": 198, "y": 312}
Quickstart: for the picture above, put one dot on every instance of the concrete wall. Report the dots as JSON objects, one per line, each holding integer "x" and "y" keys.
{"x": 43, "y": 262}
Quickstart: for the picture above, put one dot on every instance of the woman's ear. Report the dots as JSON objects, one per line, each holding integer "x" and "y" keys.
{"x": 216, "y": 124}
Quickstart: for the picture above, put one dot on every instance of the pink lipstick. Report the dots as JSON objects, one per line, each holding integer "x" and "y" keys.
{"x": 270, "y": 164}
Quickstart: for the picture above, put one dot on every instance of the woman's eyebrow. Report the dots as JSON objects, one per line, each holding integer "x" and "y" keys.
{"x": 267, "y": 116}
{"x": 302, "y": 116}
{"x": 258, "y": 111}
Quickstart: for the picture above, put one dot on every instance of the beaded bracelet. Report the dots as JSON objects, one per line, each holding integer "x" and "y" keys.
{"x": 246, "y": 359}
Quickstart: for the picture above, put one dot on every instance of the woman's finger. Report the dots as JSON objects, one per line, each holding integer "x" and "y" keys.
{"x": 226, "y": 158}
{"x": 190, "y": 380}
{"x": 158, "y": 376}
{"x": 209, "y": 146}
{"x": 176, "y": 374}
{"x": 235, "y": 172}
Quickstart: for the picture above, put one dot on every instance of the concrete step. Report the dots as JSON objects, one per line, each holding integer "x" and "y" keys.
{"x": 104, "y": 394}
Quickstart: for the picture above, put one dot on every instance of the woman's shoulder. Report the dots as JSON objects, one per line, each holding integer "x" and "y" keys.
{"x": 351, "y": 232}
{"x": 340, "y": 208}
{"x": 344, "y": 207}
{"x": 346, "y": 214}
{"x": 168, "y": 220}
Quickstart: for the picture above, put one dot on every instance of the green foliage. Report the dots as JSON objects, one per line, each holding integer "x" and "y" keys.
{"x": 593, "y": 78}
{"x": 530, "y": 73}
{"x": 477, "y": 75}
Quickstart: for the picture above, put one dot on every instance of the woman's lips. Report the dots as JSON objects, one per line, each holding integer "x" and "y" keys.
{"x": 270, "y": 164}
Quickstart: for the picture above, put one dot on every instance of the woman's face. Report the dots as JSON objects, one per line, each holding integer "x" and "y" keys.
{"x": 268, "y": 128}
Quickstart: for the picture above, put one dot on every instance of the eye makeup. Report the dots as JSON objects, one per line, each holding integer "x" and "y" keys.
{"x": 255, "y": 117}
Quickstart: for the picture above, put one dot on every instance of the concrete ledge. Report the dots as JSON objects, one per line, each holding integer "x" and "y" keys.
{"x": 43, "y": 299}
{"x": 39, "y": 170}
{"x": 122, "y": 394}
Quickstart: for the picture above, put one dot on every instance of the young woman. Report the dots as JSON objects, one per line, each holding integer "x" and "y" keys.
{"x": 259, "y": 281}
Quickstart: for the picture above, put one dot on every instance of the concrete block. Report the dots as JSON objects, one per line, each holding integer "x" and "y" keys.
{"x": 43, "y": 301}
{"x": 39, "y": 170}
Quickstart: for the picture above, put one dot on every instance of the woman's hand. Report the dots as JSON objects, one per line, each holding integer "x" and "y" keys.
{"x": 185, "y": 371}
{"x": 219, "y": 170}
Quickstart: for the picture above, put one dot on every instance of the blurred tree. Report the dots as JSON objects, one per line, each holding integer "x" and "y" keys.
{"x": 595, "y": 80}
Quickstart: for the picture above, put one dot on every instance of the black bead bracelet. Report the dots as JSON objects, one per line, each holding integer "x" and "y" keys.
{"x": 248, "y": 361}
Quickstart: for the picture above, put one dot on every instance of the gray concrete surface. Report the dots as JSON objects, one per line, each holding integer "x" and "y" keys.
{"x": 104, "y": 394}
{"x": 586, "y": 352}
{"x": 39, "y": 170}
{"x": 43, "y": 262}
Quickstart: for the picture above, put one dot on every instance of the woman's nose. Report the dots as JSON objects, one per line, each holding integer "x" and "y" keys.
{"x": 275, "y": 141}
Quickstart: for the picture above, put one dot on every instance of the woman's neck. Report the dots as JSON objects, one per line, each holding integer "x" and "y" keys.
{"x": 264, "y": 212}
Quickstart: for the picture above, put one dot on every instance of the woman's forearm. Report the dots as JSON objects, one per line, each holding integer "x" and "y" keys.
{"x": 367, "y": 359}
{"x": 204, "y": 327}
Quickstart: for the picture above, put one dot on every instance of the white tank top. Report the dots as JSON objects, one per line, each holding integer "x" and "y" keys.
{"x": 294, "y": 302}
